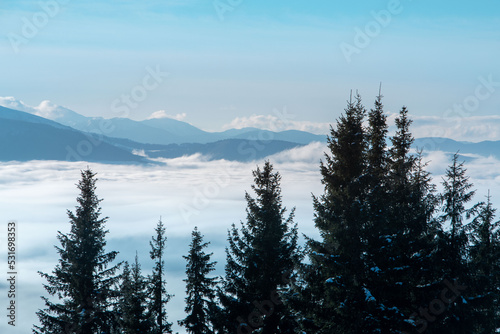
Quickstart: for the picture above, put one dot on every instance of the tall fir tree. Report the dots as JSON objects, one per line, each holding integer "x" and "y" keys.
{"x": 377, "y": 143}
{"x": 485, "y": 268}
{"x": 383, "y": 313}
{"x": 377, "y": 180}
{"x": 261, "y": 255}
{"x": 457, "y": 193}
{"x": 157, "y": 285}
{"x": 84, "y": 278}
{"x": 375, "y": 220}
{"x": 200, "y": 289}
{"x": 335, "y": 298}
{"x": 409, "y": 240}
{"x": 133, "y": 309}
{"x": 412, "y": 277}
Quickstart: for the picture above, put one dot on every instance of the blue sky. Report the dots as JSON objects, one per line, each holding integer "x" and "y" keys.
{"x": 252, "y": 58}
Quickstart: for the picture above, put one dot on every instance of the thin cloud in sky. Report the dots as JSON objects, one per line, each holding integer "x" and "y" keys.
{"x": 276, "y": 123}
{"x": 164, "y": 114}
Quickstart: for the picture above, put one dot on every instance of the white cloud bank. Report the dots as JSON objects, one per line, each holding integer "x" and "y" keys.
{"x": 277, "y": 123}
{"x": 186, "y": 192}
{"x": 164, "y": 114}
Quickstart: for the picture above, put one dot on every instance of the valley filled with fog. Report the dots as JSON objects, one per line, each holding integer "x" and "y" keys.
{"x": 186, "y": 192}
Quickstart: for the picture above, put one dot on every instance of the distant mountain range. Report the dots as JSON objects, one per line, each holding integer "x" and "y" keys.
{"x": 26, "y": 137}
{"x": 70, "y": 136}
{"x": 484, "y": 148}
{"x": 62, "y": 134}
{"x": 158, "y": 130}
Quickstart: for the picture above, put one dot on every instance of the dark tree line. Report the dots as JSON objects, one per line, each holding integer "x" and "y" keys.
{"x": 92, "y": 296}
{"x": 394, "y": 255}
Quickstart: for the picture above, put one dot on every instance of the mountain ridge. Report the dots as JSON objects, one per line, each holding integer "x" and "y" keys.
{"x": 24, "y": 137}
{"x": 156, "y": 130}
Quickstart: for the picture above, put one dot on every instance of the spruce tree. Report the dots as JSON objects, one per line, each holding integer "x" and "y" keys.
{"x": 412, "y": 250}
{"x": 84, "y": 278}
{"x": 454, "y": 242}
{"x": 485, "y": 268}
{"x": 200, "y": 289}
{"x": 409, "y": 244}
{"x": 377, "y": 182}
{"x": 133, "y": 312}
{"x": 157, "y": 285}
{"x": 383, "y": 313}
{"x": 334, "y": 295}
{"x": 377, "y": 143}
{"x": 261, "y": 255}
{"x": 457, "y": 193}
{"x": 375, "y": 220}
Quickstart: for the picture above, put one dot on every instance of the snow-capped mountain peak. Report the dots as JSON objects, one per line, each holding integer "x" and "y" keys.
{"x": 45, "y": 109}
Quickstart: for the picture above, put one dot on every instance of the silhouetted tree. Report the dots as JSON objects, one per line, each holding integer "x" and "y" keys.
{"x": 335, "y": 297}
{"x": 157, "y": 285}
{"x": 454, "y": 243}
{"x": 133, "y": 303}
{"x": 83, "y": 280}
{"x": 377, "y": 230}
{"x": 260, "y": 257}
{"x": 485, "y": 268}
{"x": 200, "y": 289}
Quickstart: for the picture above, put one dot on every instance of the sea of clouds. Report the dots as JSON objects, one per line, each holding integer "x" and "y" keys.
{"x": 185, "y": 192}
